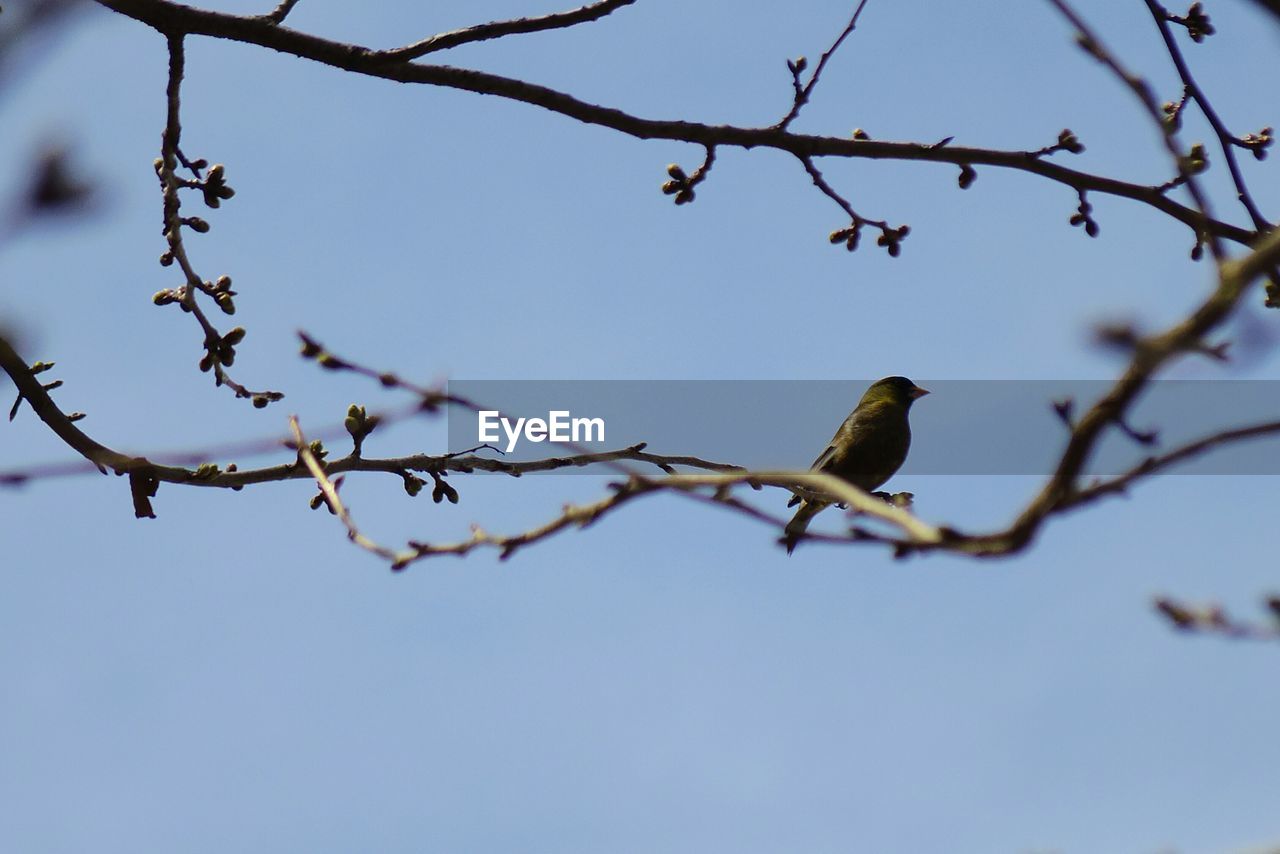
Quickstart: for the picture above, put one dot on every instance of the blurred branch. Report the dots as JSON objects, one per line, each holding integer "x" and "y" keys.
{"x": 1213, "y": 619}
{"x": 21, "y": 22}
{"x": 55, "y": 188}
{"x": 1186, "y": 166}
{"x": 1150, "y": 354}
{"x": 1160, "y": 462}
{"x": 1272, "y": 6}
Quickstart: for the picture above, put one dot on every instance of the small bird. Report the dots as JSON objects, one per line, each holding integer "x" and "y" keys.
{"x": 868, "y": 448}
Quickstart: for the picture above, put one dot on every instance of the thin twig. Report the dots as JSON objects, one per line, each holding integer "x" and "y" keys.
{"x": 803, "y": 94}
{"x": 1090, "y": 42}
{"x": 1062, "y": 491}
{"x": 330, "y": 492}
{"x": 498, "y": 29}
{"x": 171, "y": 157}
{"x": 37, "y": 397}
{"x": 1226, "y": 141}
{"x": 890, "y": 237}
{"x": 1214, "y": 619}
{"x": 279, "y": 13}
{"x": 915, "y": 533}
{"x": 101, "y": 457}
{"x": 1272, "y": 6}
{"x": 1151, "y": 465}
{"x": 361, "y": 60}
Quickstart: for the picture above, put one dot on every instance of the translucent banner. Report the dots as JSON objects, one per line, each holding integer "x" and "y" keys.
{"x": 964, "y": 427}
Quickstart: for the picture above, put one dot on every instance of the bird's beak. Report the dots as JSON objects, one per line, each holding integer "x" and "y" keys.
{"x": 917, "y": 392}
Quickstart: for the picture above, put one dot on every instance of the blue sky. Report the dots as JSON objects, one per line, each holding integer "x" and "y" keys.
{"x": 234, "y": 676}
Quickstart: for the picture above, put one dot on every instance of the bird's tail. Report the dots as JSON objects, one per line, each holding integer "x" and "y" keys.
{"x": 800, "y": 523}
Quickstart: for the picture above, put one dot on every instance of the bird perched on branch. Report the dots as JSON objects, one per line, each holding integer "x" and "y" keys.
{"x": 868, "y": 448}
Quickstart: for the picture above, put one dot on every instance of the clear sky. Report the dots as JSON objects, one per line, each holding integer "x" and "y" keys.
{"x": 233, "y": 676}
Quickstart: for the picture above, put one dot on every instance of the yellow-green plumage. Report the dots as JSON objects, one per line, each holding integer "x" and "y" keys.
{"x": 869, "y": 447}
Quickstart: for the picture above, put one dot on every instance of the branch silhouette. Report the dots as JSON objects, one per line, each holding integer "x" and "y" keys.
{"x": 874, "y": 520}
{"x": 393, "y": 64}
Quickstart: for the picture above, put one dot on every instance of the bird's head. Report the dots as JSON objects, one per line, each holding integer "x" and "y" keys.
{"x": 898, "y": 391}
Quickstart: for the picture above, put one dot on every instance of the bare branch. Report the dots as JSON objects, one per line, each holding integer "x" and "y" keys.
{"x": 915, "y": 533}
{"x": 1272, "y": 6}
{"x": 804, "y": 93}
{"x": 206, "y": 475}
{"x": 1150, "y": 354}
{"x": 1151, "y": 465}
{"x": 279, "y": 13}
{"x": 890, "y": 237}
{"x": 1186, "y": 167}
{"x": 1213, "y": 619}
{"x": 330, "y": 492}
{"x": 167, "y": 17}
{"x": 498, "y": 29}
{"x": 1226, "y": 141}
{"x": 681, "y": 185}
{"x": 1263, "y": 258}
{"x": 37, "y": 396}
{"x": 21, "y": 23}
{"x": 219, "y": 349}
{"x": 898, "y": 528}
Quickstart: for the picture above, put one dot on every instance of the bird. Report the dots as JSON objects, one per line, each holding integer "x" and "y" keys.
{"x": 869, "y": 447}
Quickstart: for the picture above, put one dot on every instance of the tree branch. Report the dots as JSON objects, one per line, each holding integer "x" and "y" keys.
{"x": 804, "y": 93}
{"x": 1226, "y": 141}
{"x": 329, "y": 489}
{"x": 219, "y": 349}
{"x": 906, "y": 532}
{"x": 498, "y": 29}
{"x": 175, "y": 18}
{"x": 280, "y": 12}
{"x": 1119, "y": 485}
{"x": 34, "y": 393}
{"x": 1213, "y": 619}
{"x": 1091, "y": 44}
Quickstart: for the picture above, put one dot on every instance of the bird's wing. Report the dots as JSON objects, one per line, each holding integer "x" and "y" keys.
{"x": 869, "y": 446}
{"x": 824, "y": 458}
{"x": 855, "y": 424}
{"x": 827, "y": 457}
